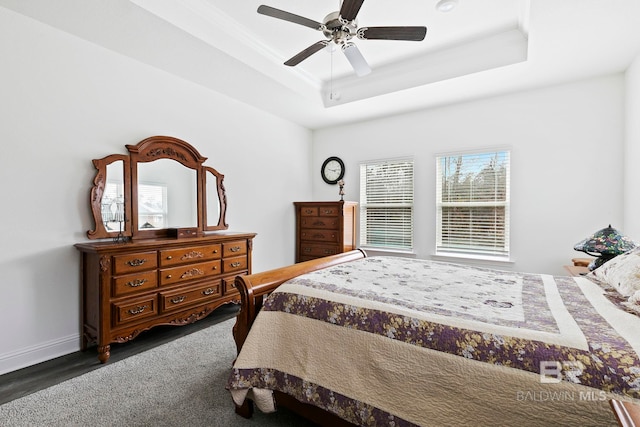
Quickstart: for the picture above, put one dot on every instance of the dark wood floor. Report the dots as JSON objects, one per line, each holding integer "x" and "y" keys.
{"x": 34, "y": 378}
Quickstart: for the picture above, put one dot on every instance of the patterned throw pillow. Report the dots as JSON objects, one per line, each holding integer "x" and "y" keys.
{"x": 621, "y": 273}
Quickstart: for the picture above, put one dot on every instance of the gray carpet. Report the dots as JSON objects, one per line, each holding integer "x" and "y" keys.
{"x": 181, "y": 383}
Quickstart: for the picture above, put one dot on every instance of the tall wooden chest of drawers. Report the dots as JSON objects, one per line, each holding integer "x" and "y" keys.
{"x": 324, "y": 228}
{"x": 130, "y": 287}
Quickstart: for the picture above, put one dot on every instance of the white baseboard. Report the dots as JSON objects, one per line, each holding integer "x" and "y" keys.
{"x": 32, "y": 355}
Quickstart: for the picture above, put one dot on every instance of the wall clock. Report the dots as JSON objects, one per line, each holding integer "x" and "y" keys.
{"x": 332, "y": 170}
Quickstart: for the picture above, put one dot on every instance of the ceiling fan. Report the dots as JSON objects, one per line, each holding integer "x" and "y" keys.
{"x": 340, "y": 27}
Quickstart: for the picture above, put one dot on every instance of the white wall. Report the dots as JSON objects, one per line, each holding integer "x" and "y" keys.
{"x": 65, "y": 101}
{"x": 566, "y": 147}
{"x": 632, "y": 152}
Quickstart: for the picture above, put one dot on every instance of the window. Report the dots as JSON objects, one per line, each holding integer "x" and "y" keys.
{"x": 386, "y": 204}
{"x": 472, "y": 200}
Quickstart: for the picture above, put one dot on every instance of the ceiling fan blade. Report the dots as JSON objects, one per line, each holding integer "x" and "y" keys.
{"x": 307, "y": 53}
{"x": 392, "y": 33}
{"x": 287, "y": 16}
{"x": 356, "y": 59}
{"x": 350, "y": 9}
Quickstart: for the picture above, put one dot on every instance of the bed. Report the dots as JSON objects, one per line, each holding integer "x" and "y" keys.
{"x": 356, "y": 340}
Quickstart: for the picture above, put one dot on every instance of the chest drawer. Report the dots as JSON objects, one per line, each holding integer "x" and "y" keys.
{"x": 130, "y": 311}
{"x": 308, "y": 211}
{"x": 132, "y": 283}
{"x": 191, "y": 254}
{"x": 319, "y": 235}
{"x": 234, "y": 248}
{"x": 184, "y": 273}
{"x": 234, "y": 264}
{"x": 316, "y": 251}
{"x": 329, "y": 223}
{"x": 123, "y": 264}
{"x": 328, "y": 211}
{"x": 175, "y": 300}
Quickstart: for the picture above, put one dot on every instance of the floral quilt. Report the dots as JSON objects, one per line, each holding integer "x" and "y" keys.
{"x": 514, "y": 320}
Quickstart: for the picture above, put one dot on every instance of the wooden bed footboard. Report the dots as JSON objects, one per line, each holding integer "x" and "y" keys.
{"x": 254, "y": 287}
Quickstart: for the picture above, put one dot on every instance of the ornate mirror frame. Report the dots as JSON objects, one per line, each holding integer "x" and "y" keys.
{"x": 149, "y": 150}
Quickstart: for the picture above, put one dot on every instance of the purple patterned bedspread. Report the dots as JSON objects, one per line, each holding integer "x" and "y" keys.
{"x": 487, "y": 315}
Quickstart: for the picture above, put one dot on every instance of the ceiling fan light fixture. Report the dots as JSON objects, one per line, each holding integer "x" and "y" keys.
{"x": 446, "y": 5}
{"x": 356, "y": 59}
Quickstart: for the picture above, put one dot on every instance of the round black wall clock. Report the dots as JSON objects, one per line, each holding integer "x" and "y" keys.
{"x": 332, "y": 170}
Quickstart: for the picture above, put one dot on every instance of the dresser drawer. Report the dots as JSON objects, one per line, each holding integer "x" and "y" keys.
{"x": 184, "y": 273}
{"x": 229, "y": 286}
{"x": 319, "y": 235}
{"x": 131, "y": 311}
{"x": 190, "y": 254}
{"x": 123, "y": 264}
{"x": 175, "y": 300}
{"x": 133, "y": 283}
{"x": 234, "y": 264}
{"x": 318, "y": 250}
{"x": 328, "y": 223}
{"x": 234, "y": 248}
{"x": 328, "y": 211}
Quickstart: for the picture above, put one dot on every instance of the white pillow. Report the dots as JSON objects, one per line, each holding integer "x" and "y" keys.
{"x": 622, "y": 272}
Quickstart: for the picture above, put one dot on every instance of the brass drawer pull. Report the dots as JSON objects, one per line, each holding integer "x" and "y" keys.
{"x": 236, "y": 264}
{"x": 235, "y": 249}
{"x": 309, "y": 211}
{"x": 169, "y": 257}
{"x": 139, "y": 309}
{"x": 208, "y": 291}
{"x": 328, "y": 211}
{"x": 136, "y": 283}
{"x": 136, "y": 262}
{"x": 317, "y": 223}
{"x": 178, "y": 300}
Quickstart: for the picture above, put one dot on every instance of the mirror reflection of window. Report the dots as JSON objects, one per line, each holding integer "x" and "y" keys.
{"x": 167, "y": 195}
{"x": 112, "y": 204}
{"x": 152, "y": 206}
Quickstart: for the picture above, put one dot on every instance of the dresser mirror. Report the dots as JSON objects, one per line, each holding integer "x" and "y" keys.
{"x": 167, "y": 195}
{"x": 162, "y": 184}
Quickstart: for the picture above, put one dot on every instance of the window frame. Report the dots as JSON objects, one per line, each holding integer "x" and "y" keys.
{"x": 404, "y": 235}
{"x": 499, "y": 253}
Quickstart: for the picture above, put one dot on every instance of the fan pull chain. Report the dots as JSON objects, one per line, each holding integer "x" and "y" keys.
{"x": 331, "y": 75}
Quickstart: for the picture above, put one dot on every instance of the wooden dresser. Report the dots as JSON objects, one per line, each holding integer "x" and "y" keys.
{"x": 324, "y": 228}
{"x": 130, "y": 287}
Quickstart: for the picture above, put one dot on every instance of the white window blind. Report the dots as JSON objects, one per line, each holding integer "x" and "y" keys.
{"x": 472, "y": 200}
{"x": 386, "y": 204}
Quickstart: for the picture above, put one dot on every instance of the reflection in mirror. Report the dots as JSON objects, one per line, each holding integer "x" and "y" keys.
{"x": 213, "y": 201}
{"x": 112, "y": 203}
{"x": 167, "y": 195}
